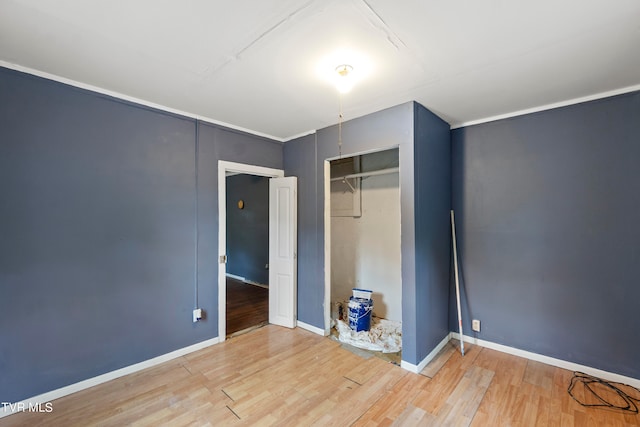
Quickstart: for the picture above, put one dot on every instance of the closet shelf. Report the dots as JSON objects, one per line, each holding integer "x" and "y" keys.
{"x": 366, "y": 174}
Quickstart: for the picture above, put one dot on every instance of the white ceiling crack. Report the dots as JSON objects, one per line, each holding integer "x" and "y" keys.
{"x": 380, "y": 24}
{"x": 236, "y": 56}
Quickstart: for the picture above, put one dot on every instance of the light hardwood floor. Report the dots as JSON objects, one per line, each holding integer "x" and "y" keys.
{"x": 276, "y": 376}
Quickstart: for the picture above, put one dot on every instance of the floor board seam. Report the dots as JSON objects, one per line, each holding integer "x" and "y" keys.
{"x": 226, "y": 394}
{"x": 233, "y": 412}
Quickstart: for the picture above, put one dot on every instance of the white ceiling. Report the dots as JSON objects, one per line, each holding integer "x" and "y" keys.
{"x": 255, "y": 64}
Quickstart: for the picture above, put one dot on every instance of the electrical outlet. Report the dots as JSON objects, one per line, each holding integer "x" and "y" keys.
{"x": 475, "y": 325}
{"x": 197, "y": 314}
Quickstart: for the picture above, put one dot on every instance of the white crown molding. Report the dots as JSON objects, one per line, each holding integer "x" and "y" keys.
{"x": 300, "y": 135}
{"x": 135, "y": 100}
{"x": 574, "y": 101}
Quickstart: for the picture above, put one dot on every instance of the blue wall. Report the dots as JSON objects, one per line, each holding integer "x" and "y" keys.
{"x": 248, "y": 228}
{"x": 547, "y": 208}
{"x": 300, "y": 160}
{"x": 97, "y": 254}
{"x": 393, "y": 127}
{"x": 432, "y": 157}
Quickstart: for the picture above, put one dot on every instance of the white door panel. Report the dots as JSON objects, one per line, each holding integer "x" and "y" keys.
{"x": 282, "y": 251}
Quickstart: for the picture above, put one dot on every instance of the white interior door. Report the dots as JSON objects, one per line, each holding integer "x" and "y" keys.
{"x": 283, "y": 251}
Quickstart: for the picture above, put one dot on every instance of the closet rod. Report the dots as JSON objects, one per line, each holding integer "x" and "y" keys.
{"x": 365, "y": 174}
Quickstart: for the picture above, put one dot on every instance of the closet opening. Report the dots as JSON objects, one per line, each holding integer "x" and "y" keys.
{"x": 364, "y": 248}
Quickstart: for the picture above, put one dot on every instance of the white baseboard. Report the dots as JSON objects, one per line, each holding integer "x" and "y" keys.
{"x": 260, "y": 285}
{"x": 416, "y": 369}
{"x": 311, "y": 328}
{"x": 609, "y": 376}
{"x": 247, "y": 281}
{"x": 82, "y": 385}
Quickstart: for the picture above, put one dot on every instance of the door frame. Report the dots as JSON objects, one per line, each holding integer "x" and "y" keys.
{"x": 225, "y": 167}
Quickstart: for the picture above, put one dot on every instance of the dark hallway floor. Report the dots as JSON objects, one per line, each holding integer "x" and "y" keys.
{"x": 247, "y": 306}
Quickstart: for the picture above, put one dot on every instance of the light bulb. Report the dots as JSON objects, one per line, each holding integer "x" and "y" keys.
{"x": 344, "y": 79}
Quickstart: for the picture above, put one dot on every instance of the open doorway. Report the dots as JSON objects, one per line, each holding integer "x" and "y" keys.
{"x": 363, "y": 245}
{"x": 247, "y": 252}
{"x": 282, "y": 283}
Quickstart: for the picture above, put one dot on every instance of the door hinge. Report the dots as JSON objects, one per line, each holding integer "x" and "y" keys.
{"x": 223, "y": 259}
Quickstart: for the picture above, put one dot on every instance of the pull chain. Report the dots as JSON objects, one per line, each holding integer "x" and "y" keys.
{"x": 340, "y": 117}
{"x": 344, "y": 84}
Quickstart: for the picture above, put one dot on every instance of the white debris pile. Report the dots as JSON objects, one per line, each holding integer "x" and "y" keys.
{"x": 384, "y": 335}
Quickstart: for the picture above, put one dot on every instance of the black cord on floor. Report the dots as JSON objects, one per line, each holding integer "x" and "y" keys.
{"x": 632, "y": 402}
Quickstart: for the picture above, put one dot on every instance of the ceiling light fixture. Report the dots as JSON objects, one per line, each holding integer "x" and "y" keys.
{"x": 344, "y": 78}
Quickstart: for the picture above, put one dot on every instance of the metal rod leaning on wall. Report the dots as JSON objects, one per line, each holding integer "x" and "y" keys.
{"x": 455, "y": 269}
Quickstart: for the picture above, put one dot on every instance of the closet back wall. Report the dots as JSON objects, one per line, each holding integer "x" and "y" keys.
{"x": 365, "y": 250}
